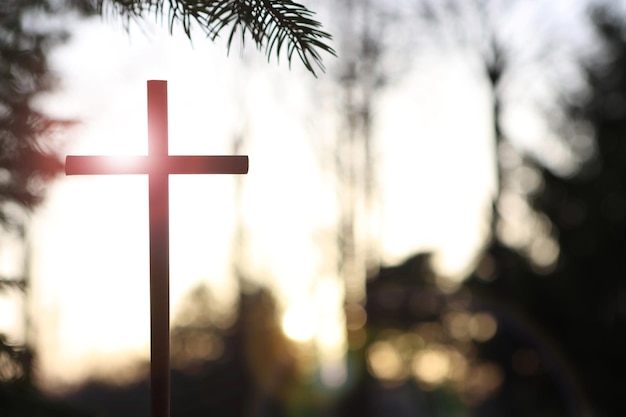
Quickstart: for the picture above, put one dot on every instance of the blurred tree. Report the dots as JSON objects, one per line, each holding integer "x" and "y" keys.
{"x": 527, "y": 70}
{"x": 578, "y": 305}
{"x": 372, "y": 55}
{"x": 424, "y": 352}
{"x": 272, "y": 24}
{"x": 479, "y": 30}
{"x": 27, "y": 163}
{"x": 589, "y": 212}
{"x": 28, "y": 160}
{"x": 221, "y": 367}
{"x": 554, "y": 316}
{"x": 358, "y": 78}
{"x": 27, "y": 135}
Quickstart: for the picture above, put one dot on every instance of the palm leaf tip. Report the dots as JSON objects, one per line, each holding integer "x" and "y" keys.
{"x": 291, "y": 21}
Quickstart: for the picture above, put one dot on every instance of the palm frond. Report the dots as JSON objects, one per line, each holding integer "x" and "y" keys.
{"x": 273, "y": 25}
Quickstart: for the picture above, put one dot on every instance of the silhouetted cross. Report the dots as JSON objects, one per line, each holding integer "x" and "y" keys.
{"x": 158, "y": 165}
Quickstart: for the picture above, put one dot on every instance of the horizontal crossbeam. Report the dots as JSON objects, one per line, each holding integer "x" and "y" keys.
{"x": 172, "y": 164}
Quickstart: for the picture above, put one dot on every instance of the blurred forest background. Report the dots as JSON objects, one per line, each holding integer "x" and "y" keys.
{"x": 532, "y": 328}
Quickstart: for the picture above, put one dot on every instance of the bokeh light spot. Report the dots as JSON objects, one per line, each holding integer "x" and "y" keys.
{"x": 384, "y": 362}
{"x": 432, "y": 365}
{"x": 482, "y": 326}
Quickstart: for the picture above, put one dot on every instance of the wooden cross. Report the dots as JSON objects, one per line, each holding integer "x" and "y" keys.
{"x": 158, "y": 164}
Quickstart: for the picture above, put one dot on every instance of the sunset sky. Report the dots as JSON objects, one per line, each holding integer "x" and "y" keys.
{"x": 90, "y": 237}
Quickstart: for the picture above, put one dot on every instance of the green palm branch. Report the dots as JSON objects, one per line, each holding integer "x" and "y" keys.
{"x": 274, "y": 25}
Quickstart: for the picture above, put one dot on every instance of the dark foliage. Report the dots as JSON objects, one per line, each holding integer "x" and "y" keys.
{"x": 405, "y": 303}
{"x": 578, "y": 308}
{"x": 27, "y": 163}
{"x": 559, "y": 344}
{"x": 250, "y": 376}
{"x": 18, "y": 396}
{"x": 27, "y": 160}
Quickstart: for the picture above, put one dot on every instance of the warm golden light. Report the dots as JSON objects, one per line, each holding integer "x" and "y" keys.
{"x": 432, "y": 365}
{"x": 457, "y": 324}
{"x": 544, "y": 252}
{"x": 482, "y": 326}
{"x": 91, "y": 250}
{"x": 203, "y": 347}
{"x": 430, "y": 332}
{"x": 330, "y": 333}
{"x": 355, "y": 316}
{"x": 408, "y": 344}
{"x": 384, "y": 362}
{"x": 482, "y": 379}
{"x": 458, "y": 366}
{"x": 299, "y": 322}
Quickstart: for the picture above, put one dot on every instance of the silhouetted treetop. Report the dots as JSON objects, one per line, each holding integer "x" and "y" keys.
{"x": 27, "y": 158}
{"x": 272, "y": 24}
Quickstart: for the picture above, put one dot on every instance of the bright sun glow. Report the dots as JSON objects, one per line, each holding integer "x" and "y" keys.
{"x": 300, "y": 322}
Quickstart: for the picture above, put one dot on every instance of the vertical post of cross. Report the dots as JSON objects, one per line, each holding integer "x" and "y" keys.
{"x": 158, "y": 164}
{"x": 159, "y": 250}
